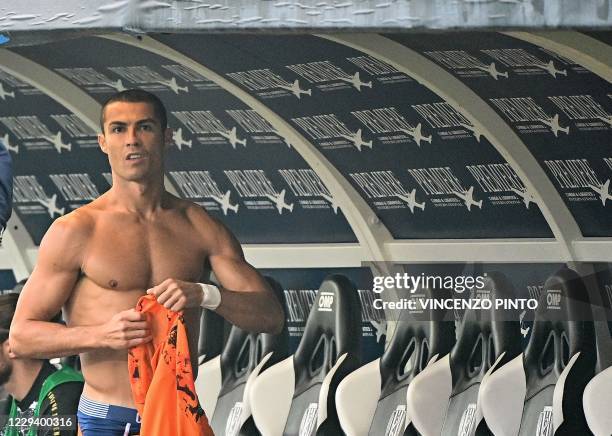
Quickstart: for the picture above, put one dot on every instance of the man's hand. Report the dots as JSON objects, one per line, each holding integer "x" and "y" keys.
{"x": 177, "y": 295}
{"x": 125, "y": 329}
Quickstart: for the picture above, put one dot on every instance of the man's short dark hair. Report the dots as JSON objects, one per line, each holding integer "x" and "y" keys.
{"x": 138, "y": 96}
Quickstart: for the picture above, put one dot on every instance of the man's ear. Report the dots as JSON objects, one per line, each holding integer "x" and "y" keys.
{"x": 6, "y": 348}
{"x": 102, "y": 142}
{"x": 168, "y": 141}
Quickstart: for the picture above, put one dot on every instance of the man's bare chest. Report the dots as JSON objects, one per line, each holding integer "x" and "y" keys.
{"x": 129, "y": 256}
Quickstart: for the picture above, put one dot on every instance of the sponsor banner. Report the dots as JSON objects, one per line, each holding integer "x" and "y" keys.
{"x": 353, "y": 108}
{"x": 253, "y": 201}
{"x": 583, "y": 183}
{"x": 110, "y": 79}
{"x": 301, "y": 287}
{"x": 219, "y": 156}
{"x": 32, "y": 133}
{"x": 100, "y": 79}
{"x": 560, "y": 110}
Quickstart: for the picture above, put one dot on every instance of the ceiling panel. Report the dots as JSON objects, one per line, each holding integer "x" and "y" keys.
{"x": 417, "y": 162}
{"x": 560, "y": 110}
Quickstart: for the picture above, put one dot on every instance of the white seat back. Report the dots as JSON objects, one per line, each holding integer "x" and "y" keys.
{"x": 596, "y": 401}
{"x": 208, "y": 385}
{"x": 501, "y": 397}
{"x": 427, "y": 397}
{"x": 357, "y": 398}
{"x": 270, "y": 397}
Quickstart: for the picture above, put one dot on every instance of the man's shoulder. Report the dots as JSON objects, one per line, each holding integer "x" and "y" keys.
{"x": 196, "y": 214}
{"x": 210, "y": 228}
{"x": 78, "y": 222}
{"x": 74, "y": 227}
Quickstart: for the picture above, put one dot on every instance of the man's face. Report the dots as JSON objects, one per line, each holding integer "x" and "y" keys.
{"x": 133, "y": 140}
{"x": 6, "y": 364}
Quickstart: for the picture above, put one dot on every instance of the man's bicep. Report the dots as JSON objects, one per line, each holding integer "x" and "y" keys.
{"x": 56, "y": 271}
{"x": 235, "y": 273}
{"x": 44, "y": 294}
{"x": 231, "y": 269}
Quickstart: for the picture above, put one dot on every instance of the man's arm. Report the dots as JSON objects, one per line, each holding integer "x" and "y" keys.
{"x": 246, "y": 299}
{"x": 49, "y": 287}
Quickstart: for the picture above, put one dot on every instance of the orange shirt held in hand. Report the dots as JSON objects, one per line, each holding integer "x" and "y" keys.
{"x": 161, "y": 377}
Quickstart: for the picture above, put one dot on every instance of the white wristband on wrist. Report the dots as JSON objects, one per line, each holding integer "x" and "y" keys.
{"x": 211, "y": 297}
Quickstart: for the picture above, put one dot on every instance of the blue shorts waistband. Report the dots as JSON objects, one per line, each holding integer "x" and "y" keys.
{"x": 108, "y": 411}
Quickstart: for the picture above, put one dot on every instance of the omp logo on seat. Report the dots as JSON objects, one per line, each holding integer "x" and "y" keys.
{"x": 326, "y": 301}
{"x": 481, "y": 294}
{"x": 553, "y": 299}
{"x": 309, "y": 420}
{"x": 545, "y": 422}
{"x": 233, "y": 420}
{"x": 395, "y": 426}
{"x": 467, "y": 420}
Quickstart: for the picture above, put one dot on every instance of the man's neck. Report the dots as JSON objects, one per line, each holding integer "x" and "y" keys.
{"x": 143, "y": 198}
{"x": 24, "y": 373}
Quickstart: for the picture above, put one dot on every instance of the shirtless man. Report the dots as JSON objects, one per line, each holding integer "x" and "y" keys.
{"x": 98, "y": 260}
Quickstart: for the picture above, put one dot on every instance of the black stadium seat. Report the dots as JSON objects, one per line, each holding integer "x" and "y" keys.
{"x": 559, "y": 359}
{"x": 244, "y": 356}
{"x": 213, "y": 333}
{"x": 296, "y": 396}
{"x": 372, "y": 399}
{"x": 443, "y": 399}
{"x": 598, "y": 392}
{"x": 487, "y": 339}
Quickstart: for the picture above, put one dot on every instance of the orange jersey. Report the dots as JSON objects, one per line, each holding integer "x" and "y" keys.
{"x": 161, "y": 377}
